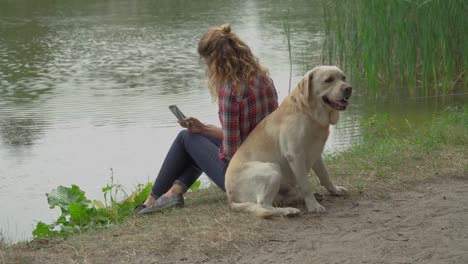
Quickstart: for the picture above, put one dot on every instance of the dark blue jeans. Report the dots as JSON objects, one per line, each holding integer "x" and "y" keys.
{"x": 189, "y": 156}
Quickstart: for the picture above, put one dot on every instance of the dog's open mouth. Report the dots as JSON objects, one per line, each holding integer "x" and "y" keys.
{"x": 339, "y": 105}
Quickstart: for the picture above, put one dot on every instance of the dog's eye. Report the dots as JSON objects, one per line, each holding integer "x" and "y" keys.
{"x": 329, "y": 80}
{"x": 344, "y": 78}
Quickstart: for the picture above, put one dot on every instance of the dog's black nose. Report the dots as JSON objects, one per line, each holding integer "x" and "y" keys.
{"x": 347, "y": 92}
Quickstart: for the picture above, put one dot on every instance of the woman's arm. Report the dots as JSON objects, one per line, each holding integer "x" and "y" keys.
{"x": 195, "y": 126}
{"x": 229, "y": 118}
{"x": 214, "y": 131}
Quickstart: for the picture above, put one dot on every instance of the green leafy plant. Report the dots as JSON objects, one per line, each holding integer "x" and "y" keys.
{"x": 79, "y": 213}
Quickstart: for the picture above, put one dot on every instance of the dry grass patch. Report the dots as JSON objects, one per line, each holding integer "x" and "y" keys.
{"x": 205, "y": 226}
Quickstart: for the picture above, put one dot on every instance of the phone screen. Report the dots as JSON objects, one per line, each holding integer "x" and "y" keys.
{"x": 176, "y": 111}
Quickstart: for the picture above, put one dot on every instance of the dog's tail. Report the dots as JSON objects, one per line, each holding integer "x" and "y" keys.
{"x": 257, "y": 209}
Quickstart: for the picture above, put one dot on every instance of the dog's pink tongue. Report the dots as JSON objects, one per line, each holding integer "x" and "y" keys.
{"x": 342, "y": 102}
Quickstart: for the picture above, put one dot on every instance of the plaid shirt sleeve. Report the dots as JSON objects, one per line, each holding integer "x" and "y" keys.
{"x": 229, "y": 118}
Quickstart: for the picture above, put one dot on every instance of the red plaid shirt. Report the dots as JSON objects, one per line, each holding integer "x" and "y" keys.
{"x": 241, "y": 108}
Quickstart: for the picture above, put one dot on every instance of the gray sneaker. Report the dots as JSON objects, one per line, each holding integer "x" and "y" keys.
{"x": 162, "y": 203}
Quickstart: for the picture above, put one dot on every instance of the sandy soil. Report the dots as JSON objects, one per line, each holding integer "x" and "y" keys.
{"x": 428, "y": 224}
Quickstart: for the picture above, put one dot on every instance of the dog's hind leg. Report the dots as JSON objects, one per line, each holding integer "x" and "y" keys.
{"x": 285, "y": 211}
{"x": 257, "y": 209}
{"x": 257, "y": 192}
{"x": 268, "y": 197}
{"x": 291, "y": 195}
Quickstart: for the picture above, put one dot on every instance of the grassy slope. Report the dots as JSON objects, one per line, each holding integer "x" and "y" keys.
{"x": 389, "y": 156}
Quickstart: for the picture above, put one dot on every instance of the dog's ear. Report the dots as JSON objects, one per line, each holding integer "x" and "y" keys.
{"x": 306, "y": 84}
{"x": 310, "y": 81}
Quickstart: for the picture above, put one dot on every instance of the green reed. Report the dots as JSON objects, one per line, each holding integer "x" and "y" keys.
{"x": 287, "y": 32}
{"x": 418, "y": 44}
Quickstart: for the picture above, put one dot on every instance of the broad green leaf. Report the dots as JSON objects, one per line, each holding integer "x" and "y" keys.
{"x": 143, "y": 194}
{"x": 42, "y": 230}
{"x": 79, "y": 213}
{"x": 63, "y": 196}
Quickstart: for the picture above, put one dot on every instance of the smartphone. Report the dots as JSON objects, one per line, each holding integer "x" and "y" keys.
{"x": 176, "y": 111}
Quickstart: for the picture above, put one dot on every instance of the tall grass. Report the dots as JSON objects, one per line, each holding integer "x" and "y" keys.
{"x": 287, "y": 32}
{"x": 418, "y": 44}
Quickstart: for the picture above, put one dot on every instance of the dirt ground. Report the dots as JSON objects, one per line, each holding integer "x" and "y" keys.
{"x": 426, "y": 224}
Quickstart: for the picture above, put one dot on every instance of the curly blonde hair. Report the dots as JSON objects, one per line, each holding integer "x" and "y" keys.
{"x": 228, "y": 58}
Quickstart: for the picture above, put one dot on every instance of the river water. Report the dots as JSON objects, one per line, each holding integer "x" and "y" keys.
{"x": 85, "y": 86}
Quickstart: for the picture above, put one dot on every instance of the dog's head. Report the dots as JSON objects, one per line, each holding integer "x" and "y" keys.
{"x": 327, "y": 85}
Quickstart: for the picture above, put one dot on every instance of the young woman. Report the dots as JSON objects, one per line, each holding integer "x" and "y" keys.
{"x": 245, "y": 93}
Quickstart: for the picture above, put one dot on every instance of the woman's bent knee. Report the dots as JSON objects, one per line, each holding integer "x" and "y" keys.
{"x": 185, "y": 136}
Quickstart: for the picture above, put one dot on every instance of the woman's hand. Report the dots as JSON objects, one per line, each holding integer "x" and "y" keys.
{"x": 193, "y": 125}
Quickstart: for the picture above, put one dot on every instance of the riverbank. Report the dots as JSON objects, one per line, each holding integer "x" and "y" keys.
{"x": 407, "y": 204}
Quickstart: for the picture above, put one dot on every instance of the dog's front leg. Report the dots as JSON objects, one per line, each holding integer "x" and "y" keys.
{"x": 321, "y": 171}
{"x": 299, "y": 169}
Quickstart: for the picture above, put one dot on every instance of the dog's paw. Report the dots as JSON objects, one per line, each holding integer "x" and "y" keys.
{"x": 315, "y": 208}
{"x": 292, "y": 211}
{"x": 338, "y": 191}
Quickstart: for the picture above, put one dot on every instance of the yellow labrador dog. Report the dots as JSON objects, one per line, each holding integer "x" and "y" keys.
{"x": 272, "y": 164}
